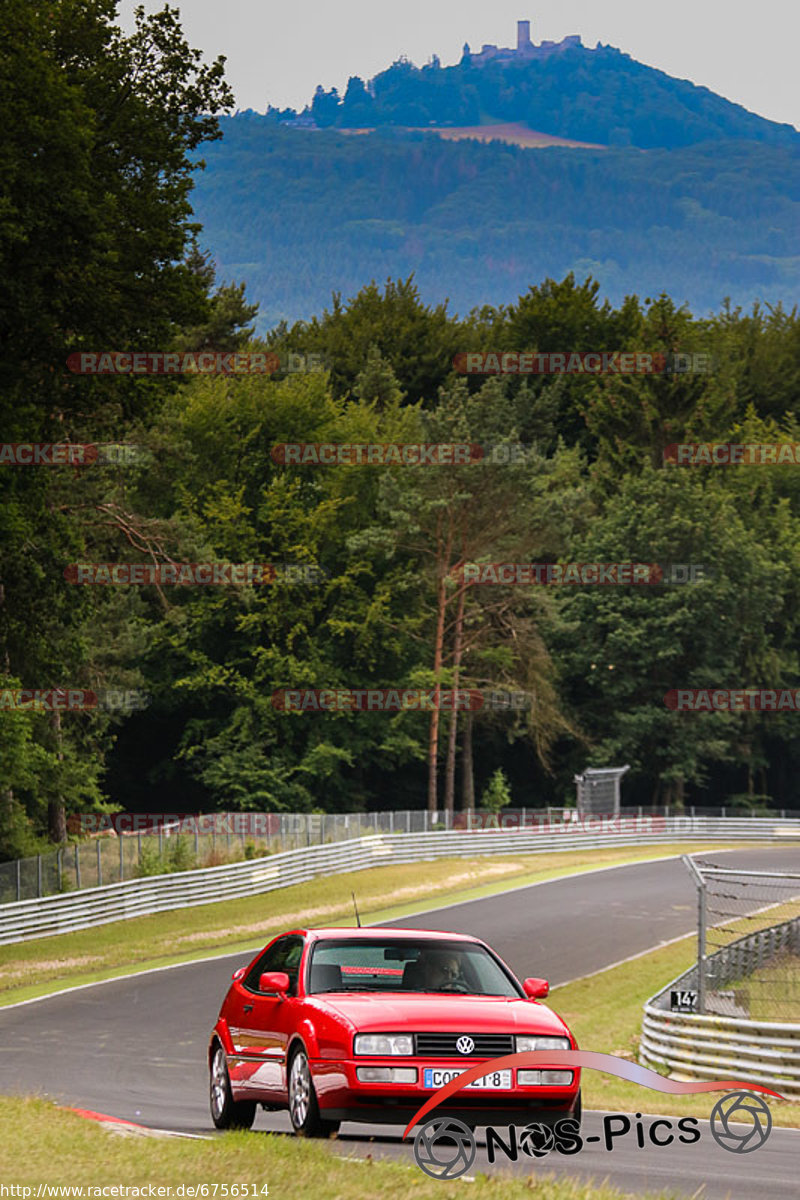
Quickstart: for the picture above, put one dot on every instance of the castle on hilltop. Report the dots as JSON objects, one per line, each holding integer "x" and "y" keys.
{"x": 525, "y": 48}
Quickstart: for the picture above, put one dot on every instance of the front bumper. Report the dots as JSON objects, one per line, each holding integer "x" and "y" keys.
{"x": 343, "y": 1097}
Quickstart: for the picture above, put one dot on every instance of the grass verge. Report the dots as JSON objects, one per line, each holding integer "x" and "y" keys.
{"x": 45, "y": 1145}
{"x": 45, "y": 965}
{"x": 604, "y": 1011}
{"x": 775, "y": 994}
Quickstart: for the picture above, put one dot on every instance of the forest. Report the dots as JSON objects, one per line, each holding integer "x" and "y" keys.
{"x": 371, "y": 590}
{"x": 301, "y": 213}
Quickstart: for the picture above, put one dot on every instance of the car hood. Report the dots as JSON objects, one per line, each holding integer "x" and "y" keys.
{"x": 436, "y": 1013}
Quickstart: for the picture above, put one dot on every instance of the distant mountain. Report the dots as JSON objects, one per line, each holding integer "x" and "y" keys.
{"x": 657, "y": 185}
{"x": 565, "y": 89}
{"x": 299, "y": 213}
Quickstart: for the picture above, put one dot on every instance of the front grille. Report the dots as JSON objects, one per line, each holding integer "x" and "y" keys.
{"x": 443, "y": 1045}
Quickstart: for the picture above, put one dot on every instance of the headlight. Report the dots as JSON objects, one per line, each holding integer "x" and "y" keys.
{"x": 383, "y": 1043}
{"x": 531, "y": 1042}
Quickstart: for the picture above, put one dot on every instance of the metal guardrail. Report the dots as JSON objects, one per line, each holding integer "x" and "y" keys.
{"x": 705, "y": 1047}
{"x": 173, "y": 842}
{"x": 27, "y": 919}
{"x": 114, "y": 849}
{"x": 700, "y": 1046}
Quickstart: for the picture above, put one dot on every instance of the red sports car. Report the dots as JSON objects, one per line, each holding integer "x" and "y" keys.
{"x": 365, "y": 1024}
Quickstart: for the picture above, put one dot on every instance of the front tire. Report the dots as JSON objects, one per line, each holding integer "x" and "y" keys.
{"x": 577, "y": 1110}
{"x": 303, "y": 1106}
{"x": 227, "y": 1113}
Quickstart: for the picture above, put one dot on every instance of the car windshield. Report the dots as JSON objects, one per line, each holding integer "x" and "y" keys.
{"x": 394, "y": 965}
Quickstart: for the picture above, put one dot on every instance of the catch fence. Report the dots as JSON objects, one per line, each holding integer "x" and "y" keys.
{"x": 748, "y": 942}
{"x": 180, "y": 842}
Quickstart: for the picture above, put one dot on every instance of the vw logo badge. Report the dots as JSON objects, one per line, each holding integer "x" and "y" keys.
{"x": 465, "y": 1045}
{"x": 445, "y": 1148}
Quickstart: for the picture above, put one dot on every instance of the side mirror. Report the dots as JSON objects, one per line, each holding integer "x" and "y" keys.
{"x": 238, "y": 973}
{"x": 274, "y": 981}
{"x": 535, "y": 989}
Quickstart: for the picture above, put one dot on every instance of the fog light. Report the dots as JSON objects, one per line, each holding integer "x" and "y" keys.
{"x": 374, "y": 1074}
{"x": 529, "y": 1078}
{"x": 386, "y": 1074}
{"x": 404, "y": 1074}
{"x": 544, "y": 1078}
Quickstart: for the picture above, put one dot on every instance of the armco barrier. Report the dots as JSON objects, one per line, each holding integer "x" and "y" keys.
{"x": 27, "y": 919}
{"x": 114, "y": 848}
{"x": 705, "y": 1045}
{"x": 695, "y": 1046}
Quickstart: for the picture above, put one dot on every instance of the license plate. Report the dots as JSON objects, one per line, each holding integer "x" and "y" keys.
{"x": 436, "y": 1077}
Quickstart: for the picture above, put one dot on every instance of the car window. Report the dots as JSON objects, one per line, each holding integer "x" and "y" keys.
{"x": 282, "y": 955}
{"x": 384, "y": 964}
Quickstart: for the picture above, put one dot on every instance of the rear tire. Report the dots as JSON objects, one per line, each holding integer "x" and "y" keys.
{"x": 227, "y": 1113}
{"x": 303, "y": 1105}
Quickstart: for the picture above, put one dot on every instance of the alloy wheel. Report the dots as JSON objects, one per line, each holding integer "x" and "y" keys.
{"x": 299, "y": 1089}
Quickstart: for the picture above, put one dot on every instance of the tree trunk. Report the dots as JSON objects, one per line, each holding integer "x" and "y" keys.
{"x": 450, "y": 769}
{"x": 680, "y": 793}
{"x": 6, "y": 795}
{"x": 467, "y": 776}
{"x": 438, "y": 658}
{"x": 56, "y": 816}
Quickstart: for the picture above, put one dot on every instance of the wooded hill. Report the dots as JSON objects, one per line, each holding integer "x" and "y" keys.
{"x": 600, "y": 95}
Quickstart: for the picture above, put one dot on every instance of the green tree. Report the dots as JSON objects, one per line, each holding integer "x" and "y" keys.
{"x": 497, "y": 794}
{"x": 102, "y": 130}
{"x": 627, "y": 647}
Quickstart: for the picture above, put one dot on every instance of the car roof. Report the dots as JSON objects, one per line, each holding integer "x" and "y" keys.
{"x": 373, "y": 931}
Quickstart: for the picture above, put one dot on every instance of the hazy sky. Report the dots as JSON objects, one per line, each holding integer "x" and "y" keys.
{"x": 278, "y": 52}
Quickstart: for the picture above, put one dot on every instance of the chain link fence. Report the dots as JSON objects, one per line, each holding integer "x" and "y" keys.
{"x": 186, "y": 843}
{"x": 748, "y": 947}
{"x": 213, "y": 839}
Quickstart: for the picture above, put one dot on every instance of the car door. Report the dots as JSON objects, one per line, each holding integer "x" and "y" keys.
{"x": 261, "y": 1023}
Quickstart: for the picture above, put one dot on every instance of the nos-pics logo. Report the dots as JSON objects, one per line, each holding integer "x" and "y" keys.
{"x": 445, "y": 1147}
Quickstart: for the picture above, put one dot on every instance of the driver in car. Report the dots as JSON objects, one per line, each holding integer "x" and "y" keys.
{"x": 442, "y": 970}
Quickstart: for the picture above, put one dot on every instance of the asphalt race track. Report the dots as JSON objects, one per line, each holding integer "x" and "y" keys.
{"x": 136, "y": 1048}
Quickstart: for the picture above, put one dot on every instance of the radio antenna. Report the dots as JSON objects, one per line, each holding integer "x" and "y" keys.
{"x": 355, "y": 906}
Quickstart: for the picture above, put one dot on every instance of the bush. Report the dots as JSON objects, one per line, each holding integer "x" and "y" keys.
{"x": 497, "y": 794}
{"x": 150, "y": 862}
